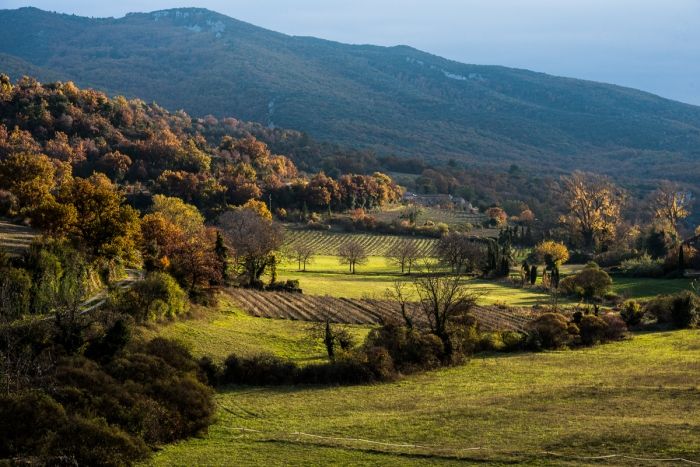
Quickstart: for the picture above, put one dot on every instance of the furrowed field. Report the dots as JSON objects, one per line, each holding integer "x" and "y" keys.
{"x": 327, "y": 242}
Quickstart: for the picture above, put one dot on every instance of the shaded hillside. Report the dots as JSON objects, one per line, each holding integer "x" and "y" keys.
{"x": 393, "y": 100}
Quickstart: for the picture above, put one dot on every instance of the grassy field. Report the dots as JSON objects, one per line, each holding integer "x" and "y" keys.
{"x": 326, "y": 276}
{"x": 15, "y": 238}
{"x": 225, "y": 329}
{"x": 644, "y": 288}
{"x": 637, "y": 398}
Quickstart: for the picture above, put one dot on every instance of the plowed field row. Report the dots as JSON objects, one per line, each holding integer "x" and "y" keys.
{"x": 283, "y": 305}
{"x": 327, "y": 243}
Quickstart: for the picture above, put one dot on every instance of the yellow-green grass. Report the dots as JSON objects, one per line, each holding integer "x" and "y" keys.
{"x": 645, "y": 288}
{"x": 637, "y": 397}
{"x": 326, "y": 276}
{"x": 225, "y": 329}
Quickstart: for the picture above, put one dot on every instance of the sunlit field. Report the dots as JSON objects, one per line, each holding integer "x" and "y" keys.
{"x": 637, "y": 398}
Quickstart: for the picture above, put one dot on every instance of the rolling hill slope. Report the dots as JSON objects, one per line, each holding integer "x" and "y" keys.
{"x": 391, "y": 99}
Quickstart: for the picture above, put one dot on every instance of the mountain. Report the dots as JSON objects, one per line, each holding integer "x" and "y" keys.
{"x": 391, "y": 99}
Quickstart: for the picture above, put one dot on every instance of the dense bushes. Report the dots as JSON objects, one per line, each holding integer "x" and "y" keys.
{"x": 550, "y": 331}
{"x": 157, "y": 297}
{"x": 682, "y": 309}
{"x": 409, "y": 349}
{"x": 644, "y": 266}
{"x": 556, "y": 331}
{"x": 107, "y": 412}
{"x": 685, "y": 310}
{"x": 269, "y": 370}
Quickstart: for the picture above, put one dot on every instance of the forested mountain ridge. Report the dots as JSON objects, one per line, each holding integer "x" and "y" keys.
{"x": 389, "y": 99}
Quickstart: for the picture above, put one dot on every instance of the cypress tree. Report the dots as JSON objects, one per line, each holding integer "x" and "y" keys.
{"x": 533, "y": 274}
{"x": 221, "y": 252}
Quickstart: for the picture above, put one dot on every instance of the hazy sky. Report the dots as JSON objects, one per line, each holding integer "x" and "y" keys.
{"x": 652, "y": 45}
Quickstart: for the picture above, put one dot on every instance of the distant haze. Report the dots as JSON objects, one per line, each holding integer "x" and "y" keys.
{"x": 645, "y": 44}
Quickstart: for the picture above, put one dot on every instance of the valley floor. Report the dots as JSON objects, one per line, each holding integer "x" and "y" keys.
{"x": 639, "y": 398}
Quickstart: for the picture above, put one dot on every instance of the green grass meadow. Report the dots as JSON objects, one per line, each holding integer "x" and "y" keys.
{"x": 326, "y": 276}
{"x": 638, "y": 397}
{"x": 225, "y": 329}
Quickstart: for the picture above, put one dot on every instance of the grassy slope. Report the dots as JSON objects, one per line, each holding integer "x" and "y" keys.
{"x": 635, "y": 397}
{"x": 225, "y": 330}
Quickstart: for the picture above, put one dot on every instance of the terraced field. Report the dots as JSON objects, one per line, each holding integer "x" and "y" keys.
{"x": 293, "y": 306}
{"x": 328, "y": 242}
{"x": 15, "y": 238}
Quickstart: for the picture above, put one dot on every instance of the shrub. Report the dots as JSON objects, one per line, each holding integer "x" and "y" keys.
{"x": 549, "y": 331}
{"x": 660, "y": 307}
{"x": 685, "y": 310}
{"x": 616, "y": 328}
{"x": 259, "y": 370}
{"x": 613, "y": 257}
{"x": 644, "y": 266}
{"x": 380, "y": 363}
{"x": 590, "y": 282}
{"x": 513, "y": 341}
{"x": 15, "y": 292}
{"x": 108, "y": 413}
{"x": 592, "y": 329}
{"x": 632, "y": 312}
{"x": 157, "y": 297}
{"x": 409, "y": 349}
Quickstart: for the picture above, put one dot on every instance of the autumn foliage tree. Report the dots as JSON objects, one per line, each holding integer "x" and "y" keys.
{"x": 670, "y": 203}
{"x": 106, "y": 226}
{"x": 176, "y": 240}
{"x": 253, "y": 241}
{"x": 594, "y": 207}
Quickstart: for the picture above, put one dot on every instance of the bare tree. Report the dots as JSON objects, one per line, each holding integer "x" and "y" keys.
{"x": 461, "y": 253}
{"x": 671, "y": 203}
{"x": 352, "y": 253}
{"x": 405, "y": 254}
{"x": 303, "y": 255}
{"x": 443, "y": 299}
{"x": 253, "y": 240}
{"x": 400, "y": 292}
